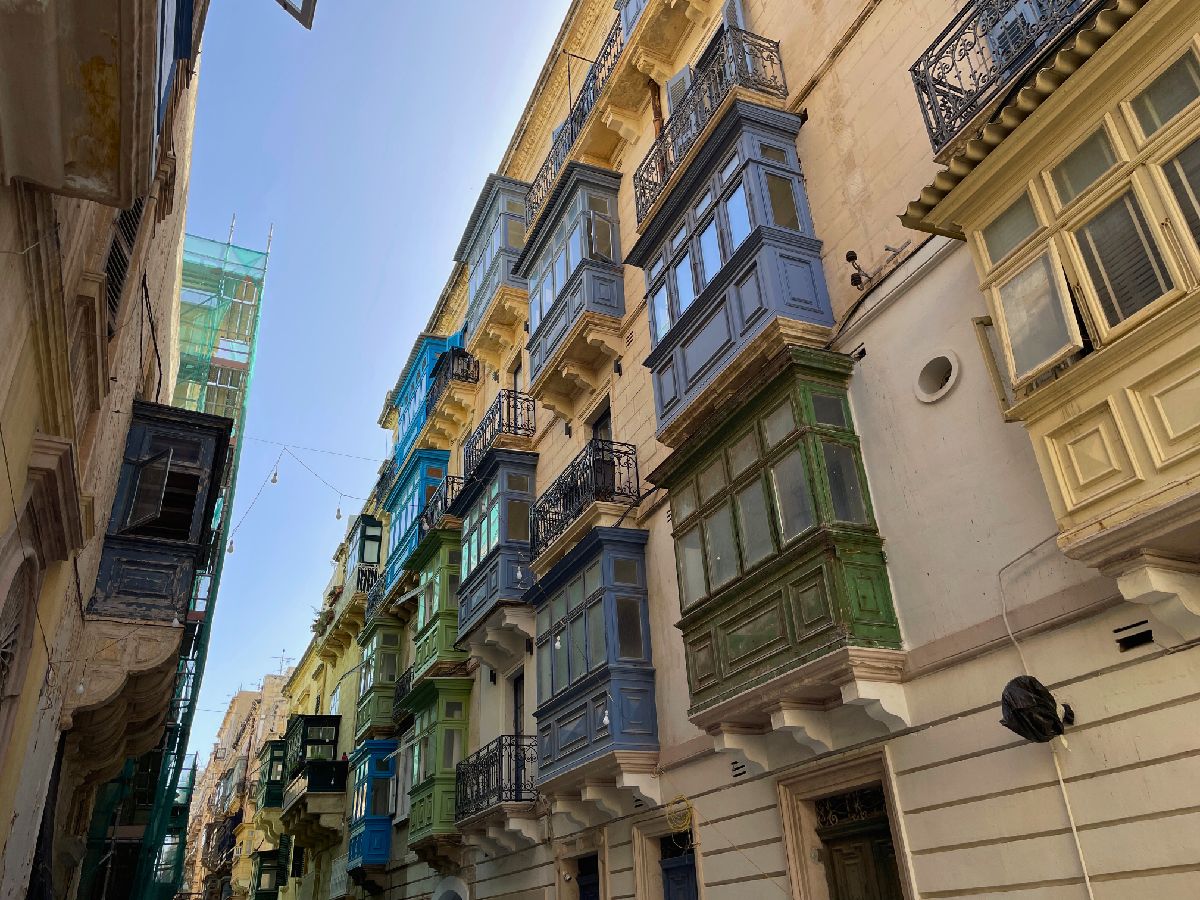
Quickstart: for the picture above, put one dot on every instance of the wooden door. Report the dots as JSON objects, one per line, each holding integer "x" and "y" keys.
{"x": 862, "y": 866}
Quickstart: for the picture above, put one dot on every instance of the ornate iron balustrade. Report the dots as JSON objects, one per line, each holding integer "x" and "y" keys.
{"x": 603, "y": 471}
{"x": 455, "y": 364}
{"x": 504, "y": 771}
{"x": 401, "y": 690}
{"x": 375, "y": 597}
{"x": 387, "y": 478}
{"x": 987, "y": 48}
{"x": 437, "y": 505}
{"x": 597, "y": 76}
{"x": 365, "y": 576}
{"x": 511, "y": 413}
{"x": 742, "y": 59}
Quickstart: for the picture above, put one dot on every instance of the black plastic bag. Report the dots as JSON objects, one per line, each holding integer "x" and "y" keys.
{"x": 1031, "y": 711}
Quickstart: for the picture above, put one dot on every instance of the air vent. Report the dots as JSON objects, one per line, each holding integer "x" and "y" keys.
{"x": 1134, "y": 635}
{"x": 629, "y": 339}
{"x": 638, "y": 803}
{"x": 737, "y": 768}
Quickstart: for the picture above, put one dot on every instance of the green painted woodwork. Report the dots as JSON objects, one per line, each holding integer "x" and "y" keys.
{"x": 440, "y": 708}
{"x": 381, "y": 640}
{"x": 778, "y": 555}
{"x": 437, "y": 560}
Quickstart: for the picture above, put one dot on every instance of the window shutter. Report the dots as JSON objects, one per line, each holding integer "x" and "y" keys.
{"x": 677, "y": 86}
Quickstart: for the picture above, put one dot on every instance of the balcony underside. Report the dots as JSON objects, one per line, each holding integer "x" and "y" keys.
{"x": 449, "y": 417}
{"x": 502, "y": 326}
{"x": 504, "y": 828}
{"x": 268, "y": 820}
{"x": 500, "y": 638}
{"x": 608, "y": 786}
{"x": 848, "y": 696}
{"x": 580, "y": 365}
{"x": 315, "y": 820}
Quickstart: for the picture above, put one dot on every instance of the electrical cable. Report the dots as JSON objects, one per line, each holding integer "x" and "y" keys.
{"x": 370, "y": 459}
{"x": 153, "y": 339}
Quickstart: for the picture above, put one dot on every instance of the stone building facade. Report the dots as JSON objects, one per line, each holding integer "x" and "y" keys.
{"x": 774, "y": 418}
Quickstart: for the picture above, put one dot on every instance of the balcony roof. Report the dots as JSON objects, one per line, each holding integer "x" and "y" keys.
{"x": 491, "y": 187}
{"x": 1036, "y": 91}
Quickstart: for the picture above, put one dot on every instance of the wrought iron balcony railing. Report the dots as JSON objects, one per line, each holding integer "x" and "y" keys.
{"x": 988, "y": 48}
{"x": 320, "y": 776}
{"x": 437, "y": 505}
{"x": 564, "y": 140}
{"x": 743, "y": 59}
{"x": 399, "y": 692}
{"x": 391, "y": 471}
{"x": 365, "y": 575}
{"x": 511, "y": 413}
{"x": 504, "y": 771}
{"x": 375, "y": 595}
{"x": 454, "y": 364}
{"x": 603, "y": 471}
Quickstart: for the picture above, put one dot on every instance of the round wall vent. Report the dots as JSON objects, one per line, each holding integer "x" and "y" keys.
{"x": 937, "y": 377}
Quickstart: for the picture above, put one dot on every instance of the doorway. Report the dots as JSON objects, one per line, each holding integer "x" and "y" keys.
{"x": 587, "y": 878}
{"x": 860, "y": 856}
{"x": 677, "y": 858}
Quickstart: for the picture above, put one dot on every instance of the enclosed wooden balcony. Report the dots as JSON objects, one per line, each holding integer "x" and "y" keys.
{"x": 315, "y": 796}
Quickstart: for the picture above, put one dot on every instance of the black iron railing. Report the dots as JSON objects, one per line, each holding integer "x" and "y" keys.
{"x": 504, "y": 771}
{"x": 387, "y": 478}
{"x": 568, "y": 131}
{"x": 365, "y": 576}
{"x": 511, "y": 413}
{"x": 603, "y": 471}
{"x": 320, "y": 776}
{"x": 988, "y": 47}
{"x": 401, "y": 690}
{"x": 437, "y": 505}
{"x": 309, "y": 739}
{"x": 742, "y": 59}
{"x": 375, "y": 595}
{"x": 455, "y": 364}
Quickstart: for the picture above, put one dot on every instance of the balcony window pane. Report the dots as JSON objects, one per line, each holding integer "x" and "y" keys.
{"x": 516, "y": 482}
{"x": 844, "y": 487}
{"x": 1083, "y": 166}
{"x": 575, "y": 594}
{"x": 516, "y": 207}
{"x": 729, "y": 168}
{"x": 517, "y": 512}
{"x": 685, "y": 290}
{"x": 703, "y": 203}
{"x": 600, "y": 234}
{"x": 629, "y": 628}
{"x": 739, "y": 217}
{"x": 451, "y": 749}
{"x": 591, "y": 579}
{"x": 678, "y": 238}
{"x": 793, "y": 498}
{"x": 712, "y": 480}
{"x": 1183, "y": 174}
{"x": 578, "y": 665}
{"x": 599, "y": 203}
{"x": 625, "y": 571}
{"x": 575, "y": 249}
{"x": 389, "y": 667}
{"x": 595, "y": 634}
{"x": 1010, "y": 228}
{"x": 710, "y": 251}
{"x": 720, "y": 546}
{"x": 1122, "y": 259}
{"x": 691, "y": 566}
{"x": 558, "y": 606}
{"x": 655, "y": 267}
{"x": 743, "y": 454}
{"x": 1034, "y": 317}
{"x": 543, "y": 663}
{"x": 1168, "y": 94}
{"x": 774, "y": 154}
{"x": 662, "y": 314}
{"x": 754, "y": 524}
{"x": 783, "y": 203}
{"x": 683, "y": 502}
{"x": 560, "y": 659}
{"x": 560, "y": 271}
{"x": 779, "y": 423}
{"x": 829, "y": 410}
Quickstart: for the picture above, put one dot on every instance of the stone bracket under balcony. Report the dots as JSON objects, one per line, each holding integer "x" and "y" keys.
{"x": 605, "y": 788}
{"x": 580, "y": 364}
{"x": 501, "y": 640}
{"x": 315, "y": 820}
{"x": 449, "y": 417}
{"x": 851, "y": 695}
{"x": 508, "y": 828}
{"x": 1168, "y": 587}
{"x": 501, "y": 327}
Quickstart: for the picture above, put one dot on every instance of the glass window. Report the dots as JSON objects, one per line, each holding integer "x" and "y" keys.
{"x": 710, "y": 251}
{"x": 691, "y": 566}
{"x": 662, "y": 315}
{"x": 712, "y": 480}
{"x": 591, "y": 579}
{"x": 560, "y": 659}
{"x": 656, "y": 266}
{"x": 729, "y": 168}
{"x": 829, "y": 410}
{"x": 783, "y": 203}
{"x": 516, "y": 207}
{"x": 720, "y": 546}
{"x": 543, "y": 664}
{"x": 683, "y": 502}
{"x": 1010, "y": 228}
{"x": 678, "y": 238}
{"x": 518, "y": 520}
{"x": 1168, "y": 94}
{"x": 599, "y": 203}
{"x": 774, "y": 154}
{"x": 1034, "y": 317}
{"x": 558, "y": 606}
{"x": 560, "y": 270}
{"x": 743, "y": 454}
{"x": 1183, "y": 174}
{"x": 595, "y": 633}
{"x": 685, "y": 290}
{"x": 844, "y": 487}
{"x": 793, "y": 499}
{"x": 601, "y": 238}
{"x": 1122, "y": 259}
{"x": 754, "y": 523}
{"x": 575, "y": 633}
{"x": 517, "y": 482}
{"x": 451, "y": 749}
{"x": 629, "y": 628}
{"x": 703, "y": 203}
{"x": 575, "y": 594}
{"x": 1083, "y": 166}
{"x": 625, "y": 571}
{"x": 739, "y": 217}
{"x": 779, "y": 423}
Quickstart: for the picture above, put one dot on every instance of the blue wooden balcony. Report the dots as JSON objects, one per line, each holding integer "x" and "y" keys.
{"x": 372, "y": 767}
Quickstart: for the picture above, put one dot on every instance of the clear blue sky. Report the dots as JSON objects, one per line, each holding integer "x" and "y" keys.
{"x": 365, "y": 142}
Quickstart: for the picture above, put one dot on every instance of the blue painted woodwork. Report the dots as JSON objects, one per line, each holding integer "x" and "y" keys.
{"x": 761, "y": 269}
{"x": 372, "y": 767}
{"x": 494, "y": 507}
{"x": 593, "y": 653}
{"x": 572, "y": 260}
{"x": 490, "y": 245}
{"x": 419, "y": 477}
{"x": 408, "y": 396}
{"x": 679, "y": 877}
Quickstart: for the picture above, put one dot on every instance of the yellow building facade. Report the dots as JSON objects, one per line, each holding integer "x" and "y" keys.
{"x": 770, "y": 442}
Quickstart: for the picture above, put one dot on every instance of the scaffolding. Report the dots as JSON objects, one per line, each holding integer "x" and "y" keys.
{"x": 219, "y": 304}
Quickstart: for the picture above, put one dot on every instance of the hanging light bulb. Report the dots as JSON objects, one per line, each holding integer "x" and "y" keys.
{"x": 229, "y": 549}
{"x": 558, "y": 642}
{"x": 338, "y": 514}
{"x": 605, "y": 719}
{"x": 275, "y": 476}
